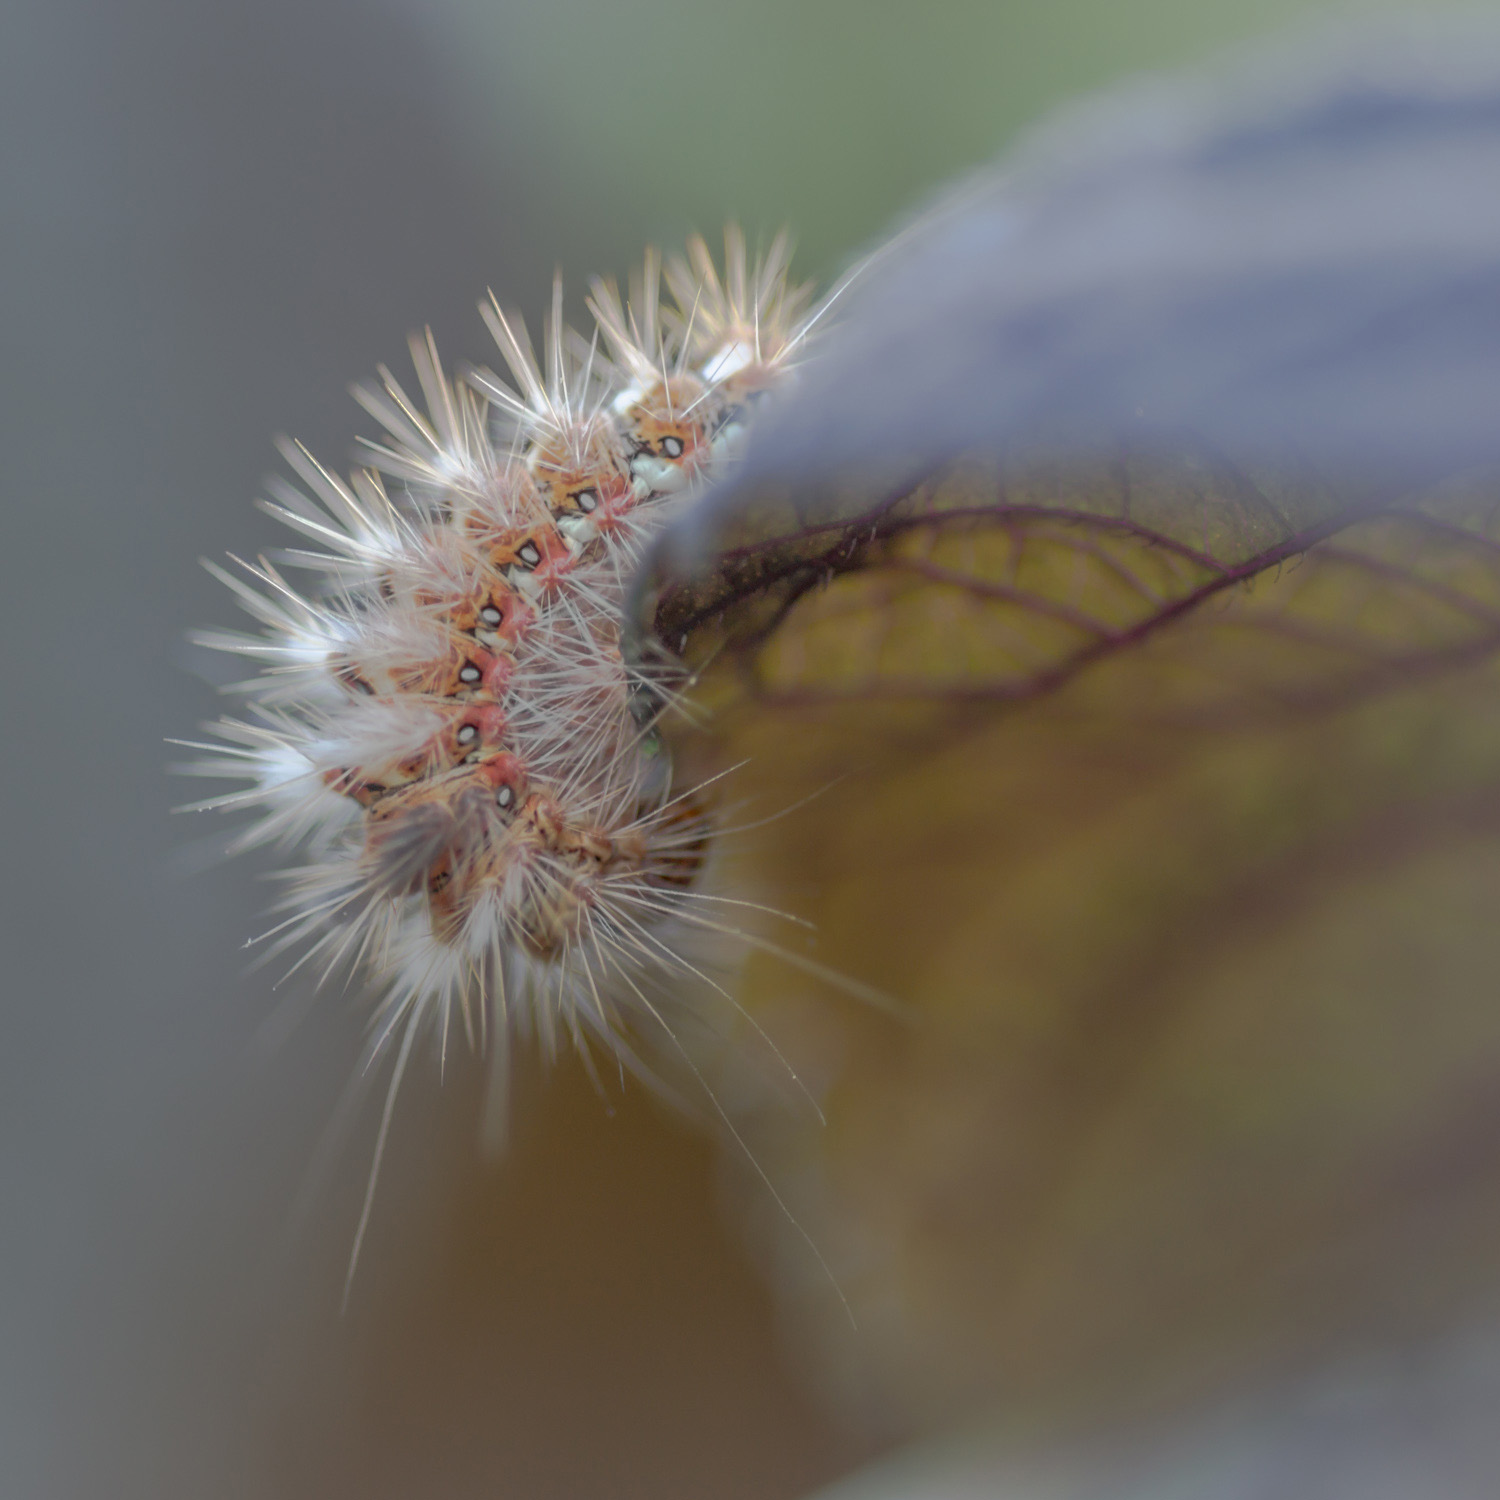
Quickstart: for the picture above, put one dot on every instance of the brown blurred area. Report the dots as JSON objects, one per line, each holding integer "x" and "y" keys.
{"x": 568, "y": 1321}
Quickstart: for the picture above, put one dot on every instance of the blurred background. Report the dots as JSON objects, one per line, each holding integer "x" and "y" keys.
{"x": 215, "y": 218}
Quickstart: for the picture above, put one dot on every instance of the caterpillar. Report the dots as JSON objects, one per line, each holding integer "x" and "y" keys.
{"x": 442, "y": 723}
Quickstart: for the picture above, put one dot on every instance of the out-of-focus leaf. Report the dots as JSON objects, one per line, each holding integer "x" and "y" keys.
{"x": 1294, "y": 252}
{"x": 1159, "y": 774}
{"x": 1419, "y": 1425}
{"x": 1186, "y": 858}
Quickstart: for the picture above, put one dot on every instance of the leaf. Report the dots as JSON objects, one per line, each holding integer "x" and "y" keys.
{"x": 1294, "y": 251}
{"x": 1157, "y": 771}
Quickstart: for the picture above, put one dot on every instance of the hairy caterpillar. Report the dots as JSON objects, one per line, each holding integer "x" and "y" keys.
{"x": 443, "y": 722}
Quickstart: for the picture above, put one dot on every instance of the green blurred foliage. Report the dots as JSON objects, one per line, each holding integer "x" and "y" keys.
{"x": 834, "y": 116}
